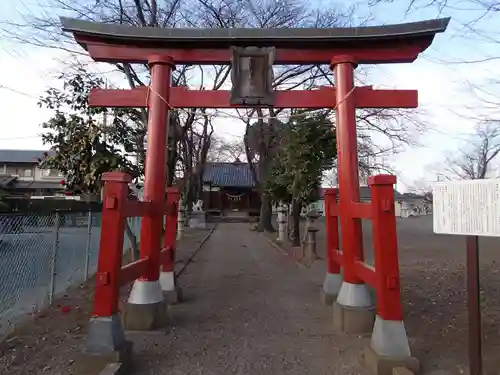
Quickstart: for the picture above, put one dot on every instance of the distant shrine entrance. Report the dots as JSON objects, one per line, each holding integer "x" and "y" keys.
{"x": 252, "y": 54}
{"x": 230, "y": 188}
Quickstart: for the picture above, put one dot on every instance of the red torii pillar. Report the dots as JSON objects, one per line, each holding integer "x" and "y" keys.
{"x": 354, "y": 310}
{"x": 146, "y": 307}
{"x": 168, "y": 281}
{"x": 353, "y": 292}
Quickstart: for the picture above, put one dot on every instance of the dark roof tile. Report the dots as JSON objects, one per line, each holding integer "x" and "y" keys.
{"x": 22, "y": 156}
{"x": 278, "y": 37}
{"x": 228, "y": 174}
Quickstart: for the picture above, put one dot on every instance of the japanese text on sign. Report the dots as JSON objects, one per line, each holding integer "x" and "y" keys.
{"x": 467, "y": 207}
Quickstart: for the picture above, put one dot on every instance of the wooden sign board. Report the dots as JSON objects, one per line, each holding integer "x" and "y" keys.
{"x": 468, "y": 208}
{"x": 252, "y": 76}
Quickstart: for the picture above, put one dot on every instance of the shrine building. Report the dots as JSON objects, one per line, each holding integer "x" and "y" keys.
{"x": 230, "y": 187}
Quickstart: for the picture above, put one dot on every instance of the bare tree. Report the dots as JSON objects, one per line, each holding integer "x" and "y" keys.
{"x": 474, "y": 22}
{"x": 225, "y": 150}
{"x": 474, "y": 159}
{"x": 330, "y": 178}
{"x": 192, "y": 129}
{"x": 422, "y": 188}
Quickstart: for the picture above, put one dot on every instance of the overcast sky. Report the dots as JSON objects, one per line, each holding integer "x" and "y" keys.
{"x": 443, "y": 84}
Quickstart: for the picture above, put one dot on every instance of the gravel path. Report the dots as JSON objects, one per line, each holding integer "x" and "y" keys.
{"x": 248, "y": 310}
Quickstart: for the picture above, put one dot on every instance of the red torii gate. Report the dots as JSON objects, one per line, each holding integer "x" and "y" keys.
{"x": 343, "y": 49}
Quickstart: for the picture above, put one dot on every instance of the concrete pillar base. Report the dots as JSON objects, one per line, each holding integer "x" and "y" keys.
{"x": 146, "y": 309}
{"x": 357, "y": 320}
{"x": 172, "y": 293}
{"x": 148, "y": 317}
{"x": 384, "y": 365}
{"x": 89, "y": 363}
{"x": 389, "y": 338}
{"x": 105, "y": 343}
{"x": 331, "y": 288}
{"x": 353, "y": 312}
{"x": 354, "y": 295}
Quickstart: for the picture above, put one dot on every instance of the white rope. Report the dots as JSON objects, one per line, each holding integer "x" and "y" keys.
{"x": 246, "y": 119}
{"x": 234, "y": 197}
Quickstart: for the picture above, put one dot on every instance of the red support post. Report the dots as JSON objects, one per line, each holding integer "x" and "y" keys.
{"x": 385, "y": 247}
{"x": 348, "y": 173}
{"x": 111, "y": 244}
{"x": 156, "y": 156}
{"x": 173, "y": 196}
{"x": 333, "y": 278}
{"x": 332, "y": 230}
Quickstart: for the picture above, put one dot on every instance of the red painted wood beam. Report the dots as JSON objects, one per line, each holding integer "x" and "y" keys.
{"x": 165, "y": 255}
{"x": 360, "y": 210}
{"x": 334, "y": 210}
{"x": 366, "y": 273}
{"x": 133, "y": 271}
{"x": 137, "y": 208}
{"x": 393, "y": 52}
{"x": 337, "y": 257}
{"x": 365, "y": 97}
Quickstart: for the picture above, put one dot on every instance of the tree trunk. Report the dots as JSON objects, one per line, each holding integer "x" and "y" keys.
{"x": 294, "y": 234}
{"x": 266, "y": 214}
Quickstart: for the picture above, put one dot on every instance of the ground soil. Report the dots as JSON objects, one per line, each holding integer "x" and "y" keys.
{"x": 433, "y": 278}
{"x": 48, "y": 343}
{"x": 251, "y": 309}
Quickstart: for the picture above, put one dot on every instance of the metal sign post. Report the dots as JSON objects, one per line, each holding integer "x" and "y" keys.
{"x": 471, "y": 209}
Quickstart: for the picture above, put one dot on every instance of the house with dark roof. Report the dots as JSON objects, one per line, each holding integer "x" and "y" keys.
{"x": 230, "y": 187}
{"x": 364, "y": 196}
{"x": 20, "y": 174}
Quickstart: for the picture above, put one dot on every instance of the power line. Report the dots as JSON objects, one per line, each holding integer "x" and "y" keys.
{"x": 18, "y": 92}
{"x": 18, "y": 138}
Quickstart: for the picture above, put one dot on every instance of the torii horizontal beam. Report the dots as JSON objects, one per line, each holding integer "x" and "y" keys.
{"x": 302, "y": 46}
{"x": 180, "y": 97}
{"x": 112, "y": 53}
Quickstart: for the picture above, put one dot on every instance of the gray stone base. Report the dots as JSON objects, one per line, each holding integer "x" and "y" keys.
{"x": 197, "y": 220}
{"x": 327, "y": 298}
{"x": 139, "y": 317}
{"x": 389, "y": 338}
{"x": 173, "y": 297}
{"x": 331, "y": 288}
{"x": 94, "y": 363}
{"x": 171, "y": 292}
{"x": 104, "y": 334}
{"x": 384, "y": 365}
{"x": 358, "y": 320}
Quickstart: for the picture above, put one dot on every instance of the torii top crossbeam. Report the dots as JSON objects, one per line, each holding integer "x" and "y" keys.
{"x": 371, "y": 45}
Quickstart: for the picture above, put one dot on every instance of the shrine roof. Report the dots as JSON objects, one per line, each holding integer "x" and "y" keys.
{"x": 219, "y": 38}
{"x": 236, "y": 174}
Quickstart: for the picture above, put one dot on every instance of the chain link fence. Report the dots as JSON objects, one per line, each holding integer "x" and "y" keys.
{"x": 42, "y": 255}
